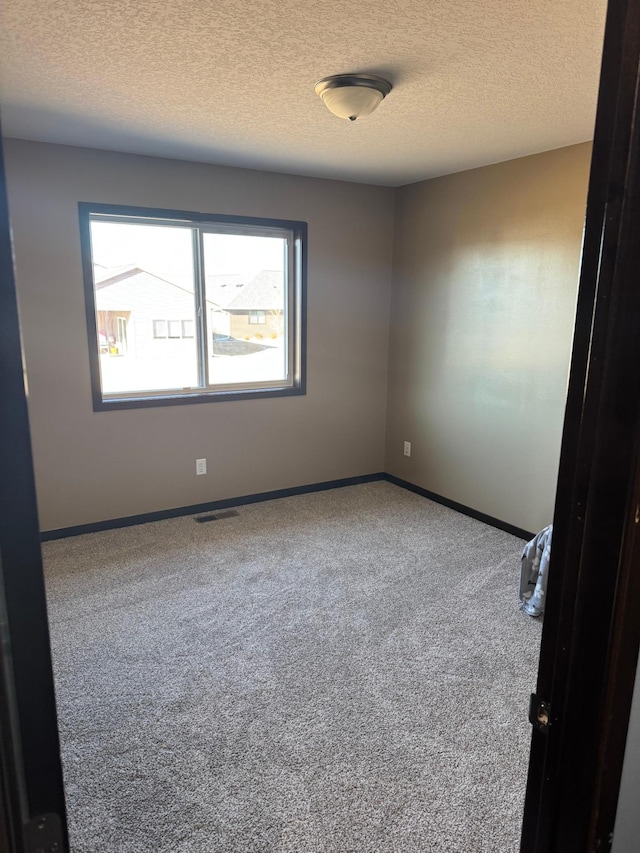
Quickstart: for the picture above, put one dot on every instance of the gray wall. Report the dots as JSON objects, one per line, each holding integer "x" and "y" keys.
{"x": 484, "y": 285}
{"x": 626, "y": 836}
{"x": 485, "y": 280}
{"x": 93, "y": 466}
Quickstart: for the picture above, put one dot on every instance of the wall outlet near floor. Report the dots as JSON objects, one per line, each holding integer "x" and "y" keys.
{"x": 201, "y": 466}
{"x": 407, "y": 448}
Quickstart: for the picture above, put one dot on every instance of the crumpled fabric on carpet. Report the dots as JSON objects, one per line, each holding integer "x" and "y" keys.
{"x": 535, "y": 572}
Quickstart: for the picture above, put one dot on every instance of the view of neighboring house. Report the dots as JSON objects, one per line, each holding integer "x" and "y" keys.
{"x": 142, "y": 314}
{"x": 222, "y": 289}
{"x": 254, "y": 307}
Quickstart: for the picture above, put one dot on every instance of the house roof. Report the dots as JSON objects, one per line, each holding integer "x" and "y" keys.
{"x": 104, "y": 276}
{"x": 107, "y": 276}
{"x": 223, "y": 289}
{"x": 263, "y": 293}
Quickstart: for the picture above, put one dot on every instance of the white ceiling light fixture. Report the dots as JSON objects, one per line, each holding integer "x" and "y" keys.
{"x": 352, "y": 96}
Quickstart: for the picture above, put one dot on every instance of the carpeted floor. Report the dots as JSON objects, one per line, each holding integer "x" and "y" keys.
{"x": 341, "y": 672}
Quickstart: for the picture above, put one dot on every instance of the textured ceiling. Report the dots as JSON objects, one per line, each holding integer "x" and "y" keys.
{"x": 232, "y": 81}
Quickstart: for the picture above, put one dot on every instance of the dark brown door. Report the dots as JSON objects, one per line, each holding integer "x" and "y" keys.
{"x": 33, "y": 812}
{"x": 590, "y": 636}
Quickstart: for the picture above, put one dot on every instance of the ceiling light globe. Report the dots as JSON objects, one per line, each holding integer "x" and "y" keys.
{"x": 352, "y": 96}
{"x": 351, "y": 102}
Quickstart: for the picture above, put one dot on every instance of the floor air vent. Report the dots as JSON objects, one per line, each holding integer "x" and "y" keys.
{"x": 215, "y": 516}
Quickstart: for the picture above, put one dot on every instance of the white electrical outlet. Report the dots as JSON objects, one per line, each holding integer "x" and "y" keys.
{"x": 201, "y": 466}
{"x": 407, "y": 448}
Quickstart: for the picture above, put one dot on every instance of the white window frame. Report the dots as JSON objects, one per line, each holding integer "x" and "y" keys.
{"x": 294, "y": 233}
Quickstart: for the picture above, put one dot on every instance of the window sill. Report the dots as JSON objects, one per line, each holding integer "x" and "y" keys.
{"x": 105, "y": 404}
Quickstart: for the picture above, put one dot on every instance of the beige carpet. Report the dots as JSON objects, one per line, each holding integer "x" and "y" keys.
{"x": 340, "y": 672}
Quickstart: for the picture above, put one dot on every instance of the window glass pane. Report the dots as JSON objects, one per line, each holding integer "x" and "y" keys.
{"x": 246, "y": 296}
{"x": 159, "y": 328}
{"x": 143, "y": 283}
{"x": 187, "y": 328}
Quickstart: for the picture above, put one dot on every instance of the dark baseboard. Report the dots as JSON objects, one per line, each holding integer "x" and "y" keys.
{"x": 465, "y": 510}
{"x": 194, "y": 509}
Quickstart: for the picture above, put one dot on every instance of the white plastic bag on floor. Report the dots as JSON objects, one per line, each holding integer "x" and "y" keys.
{"x": 535, "y": 572}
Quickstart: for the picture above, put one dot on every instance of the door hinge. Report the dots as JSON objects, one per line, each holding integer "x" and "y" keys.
{"x": 539, "y": 714}
{"x": 43, "y": 834}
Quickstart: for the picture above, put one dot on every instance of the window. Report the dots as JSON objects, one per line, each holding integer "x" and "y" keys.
{"x": 159, "y": 328}
{"x": 177, "y": 297}
{"x": 173, "y": 328}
